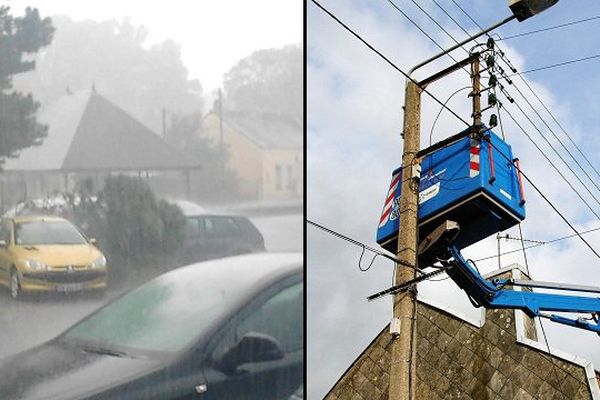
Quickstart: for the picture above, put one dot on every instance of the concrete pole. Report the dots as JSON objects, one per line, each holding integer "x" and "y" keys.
{"x": 402, "y": 369}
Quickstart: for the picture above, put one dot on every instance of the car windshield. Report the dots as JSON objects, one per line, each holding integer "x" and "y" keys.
{"x": 47, "y": 232}
{"x": 165, "y": 315}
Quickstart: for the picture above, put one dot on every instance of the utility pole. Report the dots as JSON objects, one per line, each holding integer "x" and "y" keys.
{"x": 402, "y": 368}
{"x": 402, "y": 371}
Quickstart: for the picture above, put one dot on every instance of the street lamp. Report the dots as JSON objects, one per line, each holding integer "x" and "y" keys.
{"x": 401, "y": 385}
{"x": 523, "y": 9}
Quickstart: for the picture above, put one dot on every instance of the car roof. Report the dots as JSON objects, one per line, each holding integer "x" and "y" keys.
{"x": 240, "y": 276}
{"x": 33, "y": 218}
{"x": 242, "y": 269}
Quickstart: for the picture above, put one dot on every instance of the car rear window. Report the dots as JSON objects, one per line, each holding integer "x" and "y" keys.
{"x": 221, "y": 226}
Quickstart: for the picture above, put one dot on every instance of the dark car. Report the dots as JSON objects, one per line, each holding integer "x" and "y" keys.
{"x": 225, "y": 329}
{"x": 209, "y": 236}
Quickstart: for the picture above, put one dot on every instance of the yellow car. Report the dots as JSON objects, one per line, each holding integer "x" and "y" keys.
{"x": 48, "y": 254}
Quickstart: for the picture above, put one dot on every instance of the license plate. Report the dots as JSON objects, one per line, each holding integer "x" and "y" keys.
{"x": 70, "y": 287}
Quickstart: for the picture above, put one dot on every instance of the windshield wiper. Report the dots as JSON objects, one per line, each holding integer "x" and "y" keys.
{"x": 105, "y": 351}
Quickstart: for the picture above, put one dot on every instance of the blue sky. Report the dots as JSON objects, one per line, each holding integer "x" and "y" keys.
{"x": 354, "y": 119}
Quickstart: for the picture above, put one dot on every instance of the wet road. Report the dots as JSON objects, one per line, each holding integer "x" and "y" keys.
{"x": 26, "y": 323}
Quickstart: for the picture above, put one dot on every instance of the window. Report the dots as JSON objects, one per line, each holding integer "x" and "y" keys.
{"x": 220, "y": 226}
{"x": 281, "y": 317}
{"x": 291, "y": 180}
{"x": 192, "y": 228}
{"x": 278, "y": 177}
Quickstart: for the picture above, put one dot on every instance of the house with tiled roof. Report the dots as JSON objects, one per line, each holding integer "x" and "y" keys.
{"x": 88, "y": 136}
{"x": 265, "y": 152}
{"x": 499, "y": 356}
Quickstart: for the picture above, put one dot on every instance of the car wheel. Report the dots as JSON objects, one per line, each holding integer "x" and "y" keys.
{"x": 15, "y": 285}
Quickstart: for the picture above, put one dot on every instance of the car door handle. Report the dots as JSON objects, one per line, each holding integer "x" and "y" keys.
{"x": 201, "y": 388}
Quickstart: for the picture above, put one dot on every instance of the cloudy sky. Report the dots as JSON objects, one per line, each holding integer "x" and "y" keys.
{"x": 213, "y": 35}
{"x": 354, "y": 102}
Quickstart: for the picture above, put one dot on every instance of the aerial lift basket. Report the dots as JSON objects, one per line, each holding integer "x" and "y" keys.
{"x": 473, "y": 182}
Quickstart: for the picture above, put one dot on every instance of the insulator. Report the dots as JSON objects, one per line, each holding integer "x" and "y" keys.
{"x": 490, "y": 61}
{"x": 493, "y": 121}
{"x": 490, "y": 43}
{"x": 492, "y": 100}
{"x": 493, "y": 81}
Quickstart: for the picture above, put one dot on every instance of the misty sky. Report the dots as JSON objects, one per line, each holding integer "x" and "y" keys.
{"x": 213, "y": 35}
{"x": 354, "y": 121}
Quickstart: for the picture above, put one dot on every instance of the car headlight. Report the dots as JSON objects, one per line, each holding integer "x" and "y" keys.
{"x": 99, "y": 262}
{"x": 37, "y": 265}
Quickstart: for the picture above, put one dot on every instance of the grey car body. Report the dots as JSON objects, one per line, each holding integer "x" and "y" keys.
{"x": 225, "y": 329}
{"x": 209, "y": 236}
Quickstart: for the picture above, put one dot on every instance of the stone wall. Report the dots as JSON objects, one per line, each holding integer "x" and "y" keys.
{"x": 456, "y": 360}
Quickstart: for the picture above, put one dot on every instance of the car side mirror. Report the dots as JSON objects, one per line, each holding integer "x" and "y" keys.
{"x": 252, "y": 347}
{"x": 93, "y": 241}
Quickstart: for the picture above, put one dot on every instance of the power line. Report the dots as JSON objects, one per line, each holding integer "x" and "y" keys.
{"x": 457, "y": 116}
{"x": 535, "y": 94}
{"x": 358, "y": 243}
{"x": 559, "y": 125}
{"x": 559, "y": 156}
{"x": 549, "y": 28}
{"x": 560, "y": 64}
{"x": 559, "y": 141}
{"x": 550, "y": 162}
{"x": 356, "y": 35}
{"x": 547, "y": 200}
{"x": 534, "y": 186}
{"x": 539, "y": 244}
{"x": 424, "y": 32}
{"x": 437, "y": 24}
{"x": 417, "y": 26}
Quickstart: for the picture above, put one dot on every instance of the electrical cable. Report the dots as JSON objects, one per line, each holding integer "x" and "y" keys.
{"x": 548, "y": 201}
{"x": 560, "y": 142}
{"x": 538, "y": 114}
{"x": 360, "y": 261}
{"x": 356, "y": 35}
{"x": 550, "y": 162}
{"x": 547, "y": 343}
{"x": 359, "y": 244}
{"x": 535, "y": 94}
{"x": 560, "y": 64}
{"x": 566, "y": 24}
{"x": 560, "y": 125}
{"x": 416, "y": 25}
{"x": 423, "y": 31}
{"x": 442, "y": 109}
{"x": 523, "y": 174}
{"x": 541, "y": 244}
{"x": 438, "y": 24}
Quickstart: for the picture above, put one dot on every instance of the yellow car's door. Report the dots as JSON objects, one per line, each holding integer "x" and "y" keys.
{"x": 5, "y": 258}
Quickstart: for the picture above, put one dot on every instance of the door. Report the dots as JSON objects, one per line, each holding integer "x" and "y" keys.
{"x": 279, "y": 317}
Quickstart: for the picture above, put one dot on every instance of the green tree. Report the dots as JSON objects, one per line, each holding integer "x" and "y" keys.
{"x": 19, "y": 37}
{"x": 141, "y": 231}
{"x": 268, "y": 81}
